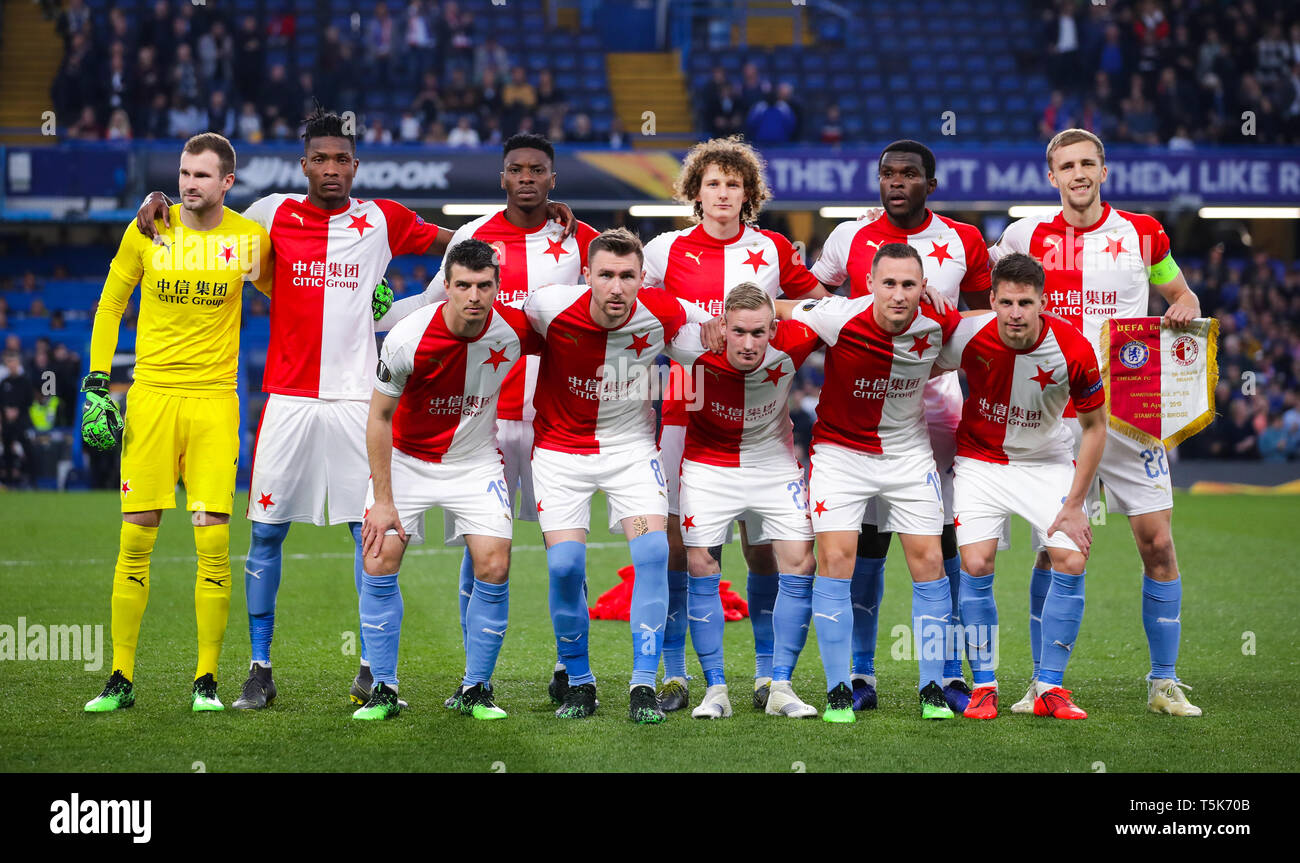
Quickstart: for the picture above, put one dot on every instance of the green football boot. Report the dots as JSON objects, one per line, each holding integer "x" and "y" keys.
{"x": 383, "y": 704}
{"x": 204, "y": 696}
{"x": 839, "y": 705}
{"x": 933, "y": 704}
{"x": 118, "y": 694}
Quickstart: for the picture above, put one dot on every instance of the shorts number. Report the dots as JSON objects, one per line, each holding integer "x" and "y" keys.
{"x": 503, "y": 494}
{"x": 659, "y": 473}
{"x": 798, "y": 493}
{"x": 1154, "y": 463}
{"x": 932, "y": 479}
{"x": 647, "y": 644}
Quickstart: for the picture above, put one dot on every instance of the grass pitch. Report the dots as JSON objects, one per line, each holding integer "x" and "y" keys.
{"x": 56, "y": 560}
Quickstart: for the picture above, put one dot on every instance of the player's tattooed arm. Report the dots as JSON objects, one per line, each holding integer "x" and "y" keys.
{"x": 156, "y": 205}
{"x": 640, "y": 525}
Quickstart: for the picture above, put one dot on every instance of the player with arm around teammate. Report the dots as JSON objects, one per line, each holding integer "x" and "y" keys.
{"x": 1023, "y": 367}
{"x": 431, "y": 440}
{"x": 738, "y": 462}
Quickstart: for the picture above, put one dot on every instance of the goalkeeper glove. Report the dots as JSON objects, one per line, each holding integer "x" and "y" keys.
{"x": 382, "y": 300}
{"x": 101, "y": 421}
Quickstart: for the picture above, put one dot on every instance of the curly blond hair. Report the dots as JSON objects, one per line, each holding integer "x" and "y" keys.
{"x": 733, "y": 156}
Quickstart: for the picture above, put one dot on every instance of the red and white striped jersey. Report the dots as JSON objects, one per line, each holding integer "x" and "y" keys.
{"x": 954, "y": 259}
{"x": 1017, "y": 397}
{"x": 952, "y": 253}
{"x": 447, "y": 386}
{"x": 528, "y": 260}
{"x": 327, "y": 263}
{"x": 871, "y": 399}
{"x": 593, "y": 392}
{"x": 695, "y": 266}
{"x": 743, "y": 418}
{"x": 1093, "y": 273}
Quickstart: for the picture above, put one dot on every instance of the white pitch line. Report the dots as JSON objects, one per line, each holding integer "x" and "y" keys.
{"x": 321, "y": 555}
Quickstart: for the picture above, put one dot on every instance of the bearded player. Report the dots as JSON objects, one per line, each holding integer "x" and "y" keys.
{"x": 1101, "y": 263}
{"x": 723, "y": 180}
{"x": 183, "y": 421}
{"x": 1023, "y": 367}
{"x": 738, "y": 462}
{"x": 956, "y": 266}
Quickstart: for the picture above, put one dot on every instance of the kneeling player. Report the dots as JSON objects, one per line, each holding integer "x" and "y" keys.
{"x": 1023, "y": 366}
{"x": 432, "y": 442}
{"x": 738, "y": 461}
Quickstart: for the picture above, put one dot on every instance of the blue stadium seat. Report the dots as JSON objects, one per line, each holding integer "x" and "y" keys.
{"x": 813, "y": 82}
{"x": 867, "y": 63}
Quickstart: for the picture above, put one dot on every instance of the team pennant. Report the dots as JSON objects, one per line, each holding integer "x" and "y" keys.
{"x": 1160, "y": 380}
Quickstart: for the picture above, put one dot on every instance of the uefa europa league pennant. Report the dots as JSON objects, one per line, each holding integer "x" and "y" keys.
{"x": 1159, "y": 380}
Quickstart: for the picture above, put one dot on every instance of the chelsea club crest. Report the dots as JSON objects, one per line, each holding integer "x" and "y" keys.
{"x": 1134, "y": 355}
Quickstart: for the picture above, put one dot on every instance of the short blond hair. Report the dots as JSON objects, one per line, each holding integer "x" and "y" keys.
{"x": 748, "y": 296}
{"x": 733, "y": 156}
{"x": 1074, "y": 136}
{"x": 617, "y": 241}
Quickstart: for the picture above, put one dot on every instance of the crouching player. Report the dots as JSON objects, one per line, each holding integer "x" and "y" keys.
{"x": 1023, "y": 366}
{"x": 432, "y": 442}
{"x": 738, "y": 462}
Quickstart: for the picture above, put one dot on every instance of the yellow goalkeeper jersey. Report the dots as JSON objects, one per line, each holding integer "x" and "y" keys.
{"x": 191, "y": 286}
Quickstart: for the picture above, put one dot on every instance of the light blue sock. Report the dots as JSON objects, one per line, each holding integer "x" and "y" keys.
{"x": 676, "y": 625}
{"x": 953, "y": 646}
{"x": 868, "y": 589}
{"x": 261, "y": 584}
{"x": 381, "y": 618}
{"x": 791, "y": 615}
{"x": 1039, "y": 582}
{"x": 358, "y": 572}
{"x": 567, "y": 565}
{"x": 761, "y": 591}
{"x": 832, "y": 609}
{"x": 931, "y": 622}
{"x": 1062, "y": 616}
{"x": 979, "y": 617}
{"x": 465, "y": 590}
{"x": 704, "y": 611}
{"x": 649, "y": 609}
{"x": 486, "y": 619}
{"x": 1162, "y": 610}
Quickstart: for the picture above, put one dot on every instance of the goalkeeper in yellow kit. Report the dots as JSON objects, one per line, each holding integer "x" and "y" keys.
{"x": 183, "y": 420}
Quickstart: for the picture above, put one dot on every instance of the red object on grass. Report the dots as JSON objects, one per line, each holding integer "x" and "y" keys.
{"x": 616, "y": 603}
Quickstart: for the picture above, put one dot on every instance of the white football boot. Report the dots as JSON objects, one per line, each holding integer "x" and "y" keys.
{"x": 716, "y": 704}
{"x": 783, "y": 702}
{"x": 1166, "y": 696}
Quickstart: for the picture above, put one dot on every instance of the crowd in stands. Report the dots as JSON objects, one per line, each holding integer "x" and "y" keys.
{"x": 192, "y": 68}
{"x": 1175, "y": 72}
{"x": 38, "y": 404}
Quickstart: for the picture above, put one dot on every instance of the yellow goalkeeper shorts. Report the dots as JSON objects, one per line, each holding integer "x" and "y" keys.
{"x": 171, "y": 437}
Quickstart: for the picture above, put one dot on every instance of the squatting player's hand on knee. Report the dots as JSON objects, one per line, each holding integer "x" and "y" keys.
{"x": 380, "y": 518}
{"x": 1073, "y": 522}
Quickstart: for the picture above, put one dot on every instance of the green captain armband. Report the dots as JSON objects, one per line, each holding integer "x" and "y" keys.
{"x": 1164, "y": 272}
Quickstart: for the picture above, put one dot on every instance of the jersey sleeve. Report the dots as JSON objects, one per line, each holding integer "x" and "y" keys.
{"x": 694, "y": 314}
{"x": 264, "y": 277}
{"x": 827, "y": 316}
{"x": 686, "y": 347}
{"x": 796, "y": 339}
{"x": 396, "y": 362}
{"x": 976, "y": 280}
{"x": 1014, "y": 239}
{"x": 670, "y": 311}
{"x": 124, "y": 274}
{"x": 408, "y": 233}
{"x": 1154, "y": 243}
{"x": 529, "y": 341}
{"x": 948, "y": 320}
{"x": 263, "y": 210}
{"x": 796, "y": 280}
{"x": 656, "y": 260}
{"x": 832, "y": 268}
{"x": 586, "y": 233}
{"x": 1086, "y": 390}
{"x": 954, "y": 346}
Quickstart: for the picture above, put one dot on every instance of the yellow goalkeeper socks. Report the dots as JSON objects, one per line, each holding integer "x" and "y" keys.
{"x": 211, "y": 593}
{"x": 130, "y": 592}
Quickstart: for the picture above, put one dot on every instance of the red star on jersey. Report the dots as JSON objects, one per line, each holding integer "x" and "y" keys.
{"x": 640, "y": 342}
{"x": 774, "y": 375}
{"x": 1043, "y": 378}
{"x": 496, "y": 359}
{"x": 554, "y": 248}
{"x": 956, "y": 522}
{"x": 1114, "y": 247}
{"x": 688, "y": 522}
{"x": 940, "y": 253}
{"x": 820, "y": 507}
{"x": 360, "y": 223}
{"x": 227, "y": 252}
{"x": 920, "y": 344}
{"x": 126, "y": 486}
{"x": 265, "y": 501}
{"x": 539, "y": 506}
{"x": 755, "y": 259}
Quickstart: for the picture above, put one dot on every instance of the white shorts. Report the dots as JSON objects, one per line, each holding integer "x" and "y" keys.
{"x": 1136, "y": 476}
{"x": 943, "y": 441}
{"x": 907, "y": 490}
{"x": 309, "y": 450}
{"x": 672, "y": 441}
{"x": 632, "y": 480}
{"x": 772, "y": 502}
{"x": 515, "y": 443}
{"x": 473, "y": 494}
{"x": 987, "y": 494}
